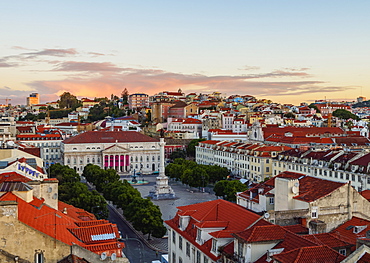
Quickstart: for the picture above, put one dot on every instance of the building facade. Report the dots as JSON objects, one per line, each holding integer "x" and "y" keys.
{"x": 124, "y": 151}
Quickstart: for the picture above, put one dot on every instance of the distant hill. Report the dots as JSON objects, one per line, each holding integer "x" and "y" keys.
{"x": 361, "y": 104}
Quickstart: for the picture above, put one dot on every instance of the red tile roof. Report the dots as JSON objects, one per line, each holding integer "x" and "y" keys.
{"x": 322, "y": 254}
{"x": 297, "y": 229}
{"x": 45, "y": 219}
{"x": 219, "y": 211}
{"x": 366, "y": 194}
{"x": 347, "y": 232}
{"x": 109, "y": 137}
{"x": 91, "y": 234}
{"x": 329, "y": 239}
{"x": 77, "y": 213}
{"x": 262, "y": 233}
{"x": 13, "y": 176}
{"x": 365, "y": 258}
{"x": 67, "y": 227}
{"x": 310, "y": 188}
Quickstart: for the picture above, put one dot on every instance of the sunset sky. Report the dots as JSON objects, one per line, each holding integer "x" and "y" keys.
{"x": 286, "y": 51}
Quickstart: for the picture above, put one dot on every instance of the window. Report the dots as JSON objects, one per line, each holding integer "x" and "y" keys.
{"x": 188, "y": 249}
{"x": 343, "y": 252}
{"x": 205, "y": 259}
{"x": 174, "y": 236}
{"x": 180, "y": 242}
{"x": 173, "y": 257}
{"x": 199, "y": 234}
{"x": 180, "y": 259}
{"x": 198, "y": 257}
{"x": 39, "y": 258}
{"x": 240, "y": 249}
{"x": 271, "y": 200}
{"x": 214, "y": 245}
{"x": 314, "y": 212}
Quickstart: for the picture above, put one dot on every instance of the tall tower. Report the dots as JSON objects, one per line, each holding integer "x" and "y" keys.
{"x": 161, "y": 189}
{"x": 33, "y": 99}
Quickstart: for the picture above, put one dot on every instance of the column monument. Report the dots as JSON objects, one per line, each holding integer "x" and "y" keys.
{"x": 161, "y": 189}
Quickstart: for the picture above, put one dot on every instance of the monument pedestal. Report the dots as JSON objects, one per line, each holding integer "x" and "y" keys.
{"x": 162, "y": 190}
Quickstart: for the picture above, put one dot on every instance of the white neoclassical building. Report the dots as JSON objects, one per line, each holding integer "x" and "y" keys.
{"x": 124, "y": 151}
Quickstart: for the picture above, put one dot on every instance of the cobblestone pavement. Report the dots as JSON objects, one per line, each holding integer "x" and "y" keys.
{"x": 185, "y": 195}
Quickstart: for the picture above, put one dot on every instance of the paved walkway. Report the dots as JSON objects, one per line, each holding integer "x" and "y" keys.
{"x": 185, "y": 196}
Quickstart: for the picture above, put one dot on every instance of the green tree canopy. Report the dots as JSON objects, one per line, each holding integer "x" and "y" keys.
{"x": 178, "y": 153}
{"x": 73, "y": 192}
{"x": 345, "y": 114}
{"x": 190, "y": 150}
{"x": 68, "y": 101}
{"x": 289, "y": 115}
{"x": 228, "y": 189}
{"x": 313, "y": 106}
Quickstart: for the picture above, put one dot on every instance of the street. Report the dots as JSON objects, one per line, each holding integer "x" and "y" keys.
{"x": 135, "y": 250}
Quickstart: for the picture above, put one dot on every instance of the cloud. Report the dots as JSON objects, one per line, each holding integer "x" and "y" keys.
{"x": 100, "y": 79}
{"x": 249, "y": 68}
{"x": 95, "y": 54}
{"x": 52, "y": 52}
{"x": 112, "y": 80}
{"x": 86, "y": 66}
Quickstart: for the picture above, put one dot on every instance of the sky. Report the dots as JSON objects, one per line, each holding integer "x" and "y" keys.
{"x": 286, "y": 51}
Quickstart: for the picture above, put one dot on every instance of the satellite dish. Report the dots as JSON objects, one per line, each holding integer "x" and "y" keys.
{"x": 103, "y": 256}
{"x": 113, "y": 256}
{"x": 295, "y": 190}
{"x": 296, "y": 184}
{"x": 55, "y": 196}
{"x": 50, "y": 190}
{"x": 266, "y": 215}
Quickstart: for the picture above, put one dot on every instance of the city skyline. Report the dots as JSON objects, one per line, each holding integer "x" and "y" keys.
{"x": 286, "y": 51}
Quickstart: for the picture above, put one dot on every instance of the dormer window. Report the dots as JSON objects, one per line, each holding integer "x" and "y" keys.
{"x": 358, "y": 229}
{"x": 199, "y": 235}
{"x": 214, "y": 245}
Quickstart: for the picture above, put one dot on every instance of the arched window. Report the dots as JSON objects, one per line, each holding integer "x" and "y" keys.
{"x": 39, "y": 257}
{"x": 88, "y": 160}
{"x": 68, "y": 161}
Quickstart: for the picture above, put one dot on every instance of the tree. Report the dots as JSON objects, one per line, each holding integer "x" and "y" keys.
{"x": 216, "y": 173}
{"x": 146, "y": 217}
{"x": 124, "y": 96}
{"x": 190, "y": 150}
{"x": 228, "y": 189}
{"x": 313, "y": 106}
{"x": 345, "y": 114}
{"x": 69, "y": 101}
{"x": 73, "y": 192}
{"x": 178, "y": 153}
{"x": 289, "y": 115}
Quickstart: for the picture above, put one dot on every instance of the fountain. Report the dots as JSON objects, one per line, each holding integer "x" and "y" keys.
{"x": 135, "y": 181}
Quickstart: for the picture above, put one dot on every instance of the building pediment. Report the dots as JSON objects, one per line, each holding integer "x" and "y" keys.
{"x": 115, "y": 149}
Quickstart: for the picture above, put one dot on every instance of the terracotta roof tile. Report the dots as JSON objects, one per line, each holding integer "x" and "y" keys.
{"x": 365, "y": 258}
{"x": 91, "y": 234}
{"x": 347, "y": 231}
{"x": 329, "y": 239}
{"x": 322, "y": 254}
{"x": 262, "y": 233}
{"x": 109, "y": 137}
{"x": 366, "y": 194}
